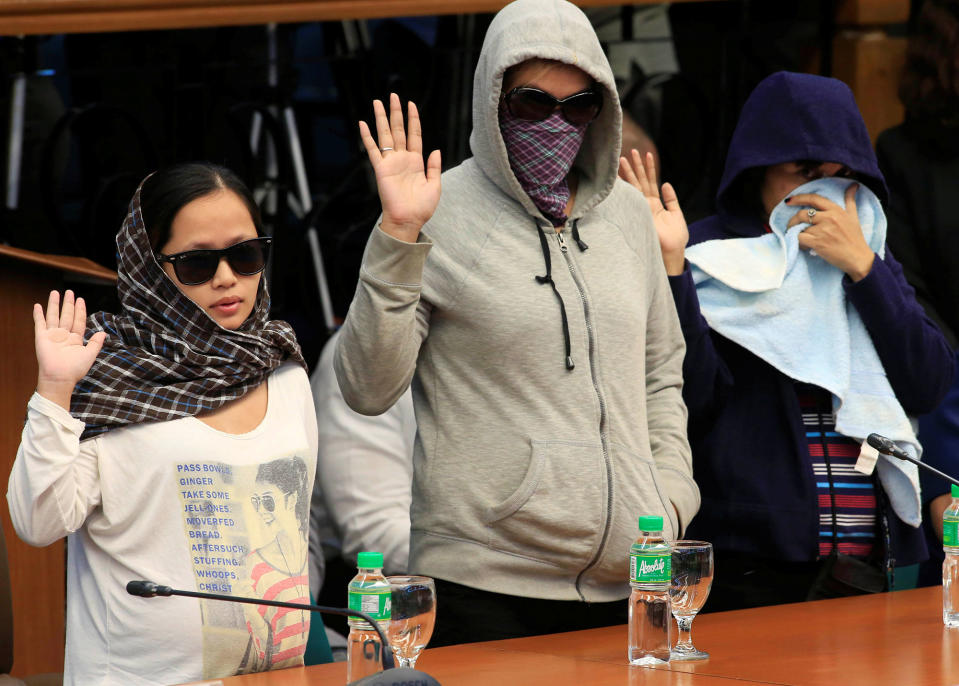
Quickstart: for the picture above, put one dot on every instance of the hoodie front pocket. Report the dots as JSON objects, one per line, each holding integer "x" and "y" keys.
{"x": 557, "y": 513}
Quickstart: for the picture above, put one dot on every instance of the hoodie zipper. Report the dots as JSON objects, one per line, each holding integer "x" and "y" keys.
{"x": 602, "y": 411}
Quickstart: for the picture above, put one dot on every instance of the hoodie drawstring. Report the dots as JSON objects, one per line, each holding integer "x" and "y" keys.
{"x": 581, "y": 243}
{"x": 548, "y": 278}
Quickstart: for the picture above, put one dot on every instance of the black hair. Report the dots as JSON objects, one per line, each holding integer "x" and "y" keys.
{"x": 168, "y": 190}
{"x": 290, "y": 476}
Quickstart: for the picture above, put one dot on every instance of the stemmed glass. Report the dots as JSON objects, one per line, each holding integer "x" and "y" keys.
{"x": 692, "y": 577}
{"x": 412, "y": 616}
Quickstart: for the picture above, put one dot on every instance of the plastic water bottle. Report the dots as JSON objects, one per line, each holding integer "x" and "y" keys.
{"x": 650, "y": 622}
{"x": 369, "y": 592}
{"x": 950, "y": 566}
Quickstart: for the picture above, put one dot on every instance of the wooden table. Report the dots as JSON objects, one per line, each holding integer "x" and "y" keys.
{"x": 85, "y": 16}
{"x": 889, "y": 638}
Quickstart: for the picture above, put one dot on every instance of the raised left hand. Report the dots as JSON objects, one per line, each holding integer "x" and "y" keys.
{"x": 834, "y": 232}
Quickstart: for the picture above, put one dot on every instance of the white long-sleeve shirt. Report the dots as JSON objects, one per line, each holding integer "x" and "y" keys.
{"x": 361, "y": 500}
{"x": 185, "y": 505}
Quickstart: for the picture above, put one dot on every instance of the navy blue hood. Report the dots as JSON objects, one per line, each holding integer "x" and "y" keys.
{"x": 791, "y": 117}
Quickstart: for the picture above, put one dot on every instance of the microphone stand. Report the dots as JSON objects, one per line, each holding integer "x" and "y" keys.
{"x": 148, "y": 589}
{"x": 887, "y": 447}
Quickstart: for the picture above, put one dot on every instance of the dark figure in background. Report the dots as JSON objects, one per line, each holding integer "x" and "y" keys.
{"x": 920, "y": 160}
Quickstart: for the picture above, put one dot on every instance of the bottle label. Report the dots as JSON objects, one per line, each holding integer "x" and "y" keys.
{"x": 950, "y": 532}
{"x": 374, "y": 603}
{"x": 653, "y": 568}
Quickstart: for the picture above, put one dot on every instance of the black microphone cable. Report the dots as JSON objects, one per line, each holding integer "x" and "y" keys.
{"x": 888, "y": 447}
{"x": 149, "y": 589}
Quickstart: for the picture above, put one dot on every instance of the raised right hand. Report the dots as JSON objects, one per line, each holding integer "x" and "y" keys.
{"x": 62, "y": 357}
{"x": 409, "y": 195}
{"x": 667, "y": 214}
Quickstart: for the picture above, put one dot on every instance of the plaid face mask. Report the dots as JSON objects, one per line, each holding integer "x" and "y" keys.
{"x": 541, "y": 154}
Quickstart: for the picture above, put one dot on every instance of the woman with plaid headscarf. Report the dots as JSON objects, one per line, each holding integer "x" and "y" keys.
{"x": 145, "y": 436}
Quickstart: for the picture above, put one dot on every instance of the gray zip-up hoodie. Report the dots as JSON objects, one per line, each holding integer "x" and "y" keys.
{"x": 528, "y": 476}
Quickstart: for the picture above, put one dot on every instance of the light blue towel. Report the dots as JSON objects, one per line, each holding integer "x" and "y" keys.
{"x": 788, "y": 307}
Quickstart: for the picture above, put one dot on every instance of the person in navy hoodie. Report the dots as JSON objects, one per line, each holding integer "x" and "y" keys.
{"x": 789, "y": 517}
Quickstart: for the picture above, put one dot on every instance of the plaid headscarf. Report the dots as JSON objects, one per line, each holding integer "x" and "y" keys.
{"x": 541, "y": 154}
{"x": 164, "y": 357}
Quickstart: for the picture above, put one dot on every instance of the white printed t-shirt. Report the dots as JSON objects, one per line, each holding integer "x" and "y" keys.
{"x": 184, "y": 505}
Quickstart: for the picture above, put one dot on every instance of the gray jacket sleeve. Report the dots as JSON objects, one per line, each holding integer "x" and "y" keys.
{"x": 387, "y": 322}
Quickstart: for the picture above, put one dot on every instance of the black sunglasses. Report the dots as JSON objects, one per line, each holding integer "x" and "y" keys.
{"x": 267, "y": 501}
{"x": 194, "y": 267}
{"x": 532, "y": 104}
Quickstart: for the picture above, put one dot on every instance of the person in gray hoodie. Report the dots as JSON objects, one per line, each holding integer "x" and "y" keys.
{"x": 530, "y": 309}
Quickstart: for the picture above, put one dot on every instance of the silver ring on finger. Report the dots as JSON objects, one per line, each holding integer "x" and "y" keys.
{"x": 387, "y": 149}
{"x": 811, "y": 212}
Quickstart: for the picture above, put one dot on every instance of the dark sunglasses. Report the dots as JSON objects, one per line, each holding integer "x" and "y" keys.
{"x": 267, "y": 501}
{"x": 532, "y": 104}
{"x": 194, "y": 267}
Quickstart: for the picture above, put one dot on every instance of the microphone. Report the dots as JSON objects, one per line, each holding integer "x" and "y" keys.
{"x": 148, "y": 589}
{"x": 391, "y": 674}
{"x": 887, "y": 446}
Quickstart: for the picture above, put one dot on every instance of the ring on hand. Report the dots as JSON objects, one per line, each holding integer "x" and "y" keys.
{"x": 385, "y": 149}
{"x": 810, "y": 213}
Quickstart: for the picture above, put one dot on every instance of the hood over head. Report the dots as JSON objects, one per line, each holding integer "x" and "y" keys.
{"x": 552, "y": 30}
{"x": 790, "y": 117}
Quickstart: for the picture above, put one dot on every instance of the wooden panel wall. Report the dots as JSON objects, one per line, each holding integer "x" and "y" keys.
{"x": 863, "y": 12}
{"x": 871, "y": 61}
{"x": 80, "y": 16}
{"x": 36, "y": 574}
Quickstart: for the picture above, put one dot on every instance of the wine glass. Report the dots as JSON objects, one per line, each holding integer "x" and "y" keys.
{"x": 411, "y": 617}
{"x": 692, "y": 577}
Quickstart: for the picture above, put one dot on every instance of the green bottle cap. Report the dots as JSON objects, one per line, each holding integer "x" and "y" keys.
{"x": 650, "y": 523}
{"x": 955, "y": 491}
{"x": 369, "y": 560}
